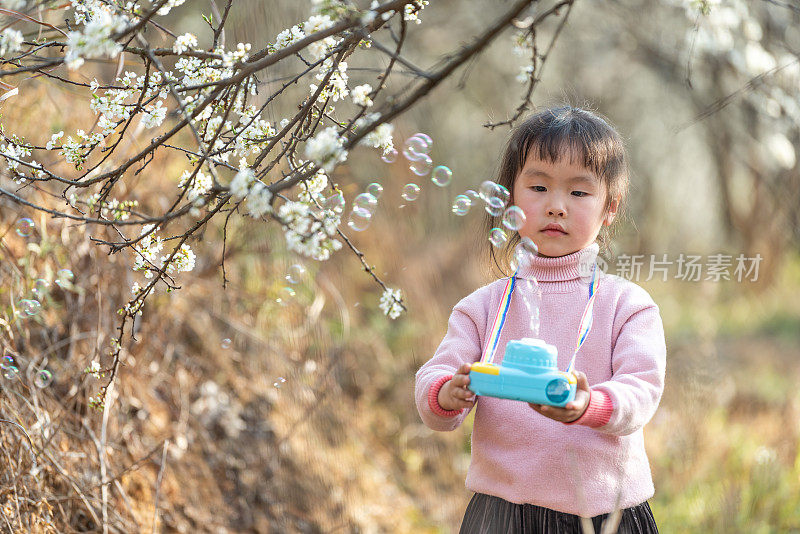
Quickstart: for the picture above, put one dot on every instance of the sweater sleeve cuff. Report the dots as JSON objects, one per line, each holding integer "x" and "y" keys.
{"x": 598, "y": 413}
{"x": 433, "y": 398}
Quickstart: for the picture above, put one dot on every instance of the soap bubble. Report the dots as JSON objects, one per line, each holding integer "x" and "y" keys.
{"x": 25, "y": 227}
{"x": 422, "y": 165}
{"x": 532, "y": 298}
{"x": 64, "y": 278}
{"x": 375, "y": 189}
{"x": 334, "y": 202}
{"x": 11, "y": 372}
{"x": 359, "y": 219}
{"x": 441, "y": 176}
{"x": 410, "y": 192}
{"x": 514, "y": 218}
{"x": 7, "y": 361}
{"x": 286, "y": 294}
{"x": 490, "y": 189}
{"x": 415, "y": 148}
{"x": 487, "y": 189}
{"x": 494, "y": 206}
{"x": 524, "y": 252}
{"x": 40, "y": 287}
{"x": 472, "y": 194}
{"x": 30, "y": 306}
{"x": 497, "y": 237}
{"x": 390, "y": 156}
{"x": 461, "y": 205}
{"x": 43, "y": 378}
{"x": 426, "y": 138}
{"x": 296, "y": 273}
{"x": 366, "y": 201}
{"x": 279, "y": 382}
{"x": 226, "y": 343}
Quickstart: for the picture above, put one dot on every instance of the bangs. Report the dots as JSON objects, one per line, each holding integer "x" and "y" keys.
{"x": 556, "y": 137}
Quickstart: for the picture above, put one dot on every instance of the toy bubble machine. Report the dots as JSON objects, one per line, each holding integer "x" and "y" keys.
{"x": 529, "y": 371}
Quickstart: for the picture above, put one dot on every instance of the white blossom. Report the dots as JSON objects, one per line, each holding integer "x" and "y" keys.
{"x": 390, "y": 303}
{"x": 94, "y": 40}
{"x": 10, "y": 41}
{"x": 153, "y": 118}
{"x": 184, "y": 42}
{"x": 258, "y": 200}
{"x": 289, "y": 36}
{"x": 312, "y": 187}
{"x": 240, "y": 184}
{"x": 326, "y": 149}
{"x": 166, "y": 8}
{"x": 360, "y": 95}
{"x": 411, "y": 13}
{"x": 201, "y": 184}
{"x": 310, "y": 232}
{"x": 380, "y": 137}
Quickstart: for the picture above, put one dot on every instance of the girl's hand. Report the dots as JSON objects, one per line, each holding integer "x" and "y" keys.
{"x": 454, "y": 394}
{"x": 573, "y": 410}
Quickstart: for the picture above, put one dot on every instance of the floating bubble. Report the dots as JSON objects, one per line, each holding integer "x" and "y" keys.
{"x": 43, "y": 378}
{"x": 375, "y": 189}
{"x": 494, "y": 206}
{"x": 64, "y": 278}
{"x": 390, "y": 156}
{"x": 279, "y": 382}
{"x": 503, "y": 194}
{"x": 426, "y": 138}
{"x": 529, "y": 246}
{"x": 366, "y": 201}
{"x": 296, "y": 273}
{"x": 11, "y": 372}
{"x": 414, "y": 148}
{"x": 334, "y": 202}
{"x": 286, "y": 295}
{"x": 486, "y": 189}
{"x": 461, "y": 205}
{"x": 497, "y": 237}
{"x": 359, "y": 219}
{"x": 532, "y": 298}
{"x": 30, "y": 306}
{"x": 226, "y": 343}
{"x": 490, "y": 189}
{"x": 473, "y": 195}
{"x": 25, "y": 227}
{"x": 7, "y": 361}
{"x": 410, "y": 192}
{"x": 421, "y": 166}
{"x": 40, "y": 287}
{"x": 514, "y": 218}
{"x": 441, "y": 176}
{"x": 524, "y": 252}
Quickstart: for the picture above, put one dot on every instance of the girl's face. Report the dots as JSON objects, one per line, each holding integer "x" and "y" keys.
{"x": 564, "y": 205}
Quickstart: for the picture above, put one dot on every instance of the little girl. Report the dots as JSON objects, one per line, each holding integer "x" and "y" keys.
{"x": 538, "y": 468}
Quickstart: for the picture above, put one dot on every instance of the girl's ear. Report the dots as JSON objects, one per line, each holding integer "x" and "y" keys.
{"x": 612, "y": 212}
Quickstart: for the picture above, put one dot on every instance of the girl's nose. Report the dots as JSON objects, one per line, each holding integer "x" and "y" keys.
{"x": 556, "y": 212}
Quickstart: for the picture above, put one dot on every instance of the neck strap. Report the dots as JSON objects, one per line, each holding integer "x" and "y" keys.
{"x": 502, "y": 311}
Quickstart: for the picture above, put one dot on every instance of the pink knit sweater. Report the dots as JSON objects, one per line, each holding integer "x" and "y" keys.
{"x": 596, "y": 464}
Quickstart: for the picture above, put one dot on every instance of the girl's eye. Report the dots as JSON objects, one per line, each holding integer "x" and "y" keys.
{"x": 539, "y": 188}
{"x": 580, "y": 193}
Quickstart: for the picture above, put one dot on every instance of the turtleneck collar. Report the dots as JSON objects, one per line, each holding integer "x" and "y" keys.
{"x": 564, "y": 273}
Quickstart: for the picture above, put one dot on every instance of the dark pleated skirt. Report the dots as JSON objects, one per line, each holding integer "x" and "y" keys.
{"x": 493, "y": 515}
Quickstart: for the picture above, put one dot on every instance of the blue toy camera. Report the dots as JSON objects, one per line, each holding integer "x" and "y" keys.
{"x": 528, "y": 373}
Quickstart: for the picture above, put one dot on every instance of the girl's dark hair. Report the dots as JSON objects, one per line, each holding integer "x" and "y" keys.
{"x": 550, "y": 135}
